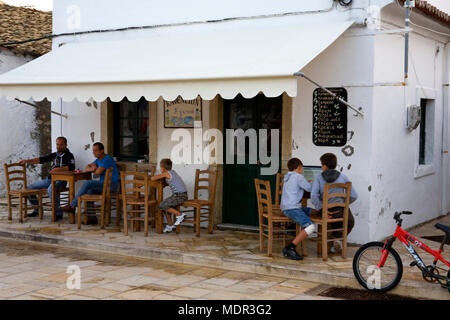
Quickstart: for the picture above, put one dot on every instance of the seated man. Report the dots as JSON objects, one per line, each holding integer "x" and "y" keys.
{"x": 62, "y": 160}
{"x": 98, "y": 167}
{"x": 330, "y": 175}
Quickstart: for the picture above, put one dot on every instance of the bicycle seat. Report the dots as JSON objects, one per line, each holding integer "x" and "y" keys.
{"x": 442, "y": 227}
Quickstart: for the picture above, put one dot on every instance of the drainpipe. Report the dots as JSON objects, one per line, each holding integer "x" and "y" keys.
{"x": 445, "y": 133}
{"x": 408, "y": 5}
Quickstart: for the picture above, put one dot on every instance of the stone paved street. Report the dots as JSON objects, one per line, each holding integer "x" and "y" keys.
{"x": 229, "y": 251}
{"x": 36, "y": 271}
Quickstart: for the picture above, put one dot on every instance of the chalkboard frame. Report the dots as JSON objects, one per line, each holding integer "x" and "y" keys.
{"x": 339, "y": 107}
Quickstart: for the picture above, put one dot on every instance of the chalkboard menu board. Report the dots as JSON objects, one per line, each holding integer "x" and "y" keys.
{"x": 329, "y": 118}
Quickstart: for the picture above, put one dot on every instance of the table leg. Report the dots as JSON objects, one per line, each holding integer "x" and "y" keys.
{"x": 71, "y": 197}
{"x": 53, "y": 200}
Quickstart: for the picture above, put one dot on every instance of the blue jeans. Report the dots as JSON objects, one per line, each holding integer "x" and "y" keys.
{"x": 300, "y": 216}
{"x": 92, "y": 187}
{"x": 47, "y": 184}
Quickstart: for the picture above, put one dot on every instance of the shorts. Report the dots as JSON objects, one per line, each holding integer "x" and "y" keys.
{"x": 299, "y": 215}
{"x": 173, "y": 201}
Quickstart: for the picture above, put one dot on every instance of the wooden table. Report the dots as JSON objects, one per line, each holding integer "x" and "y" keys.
{"x": 71, "y": 177}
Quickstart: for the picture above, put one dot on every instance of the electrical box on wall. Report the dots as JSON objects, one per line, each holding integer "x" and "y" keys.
{"x": 412, "y": 117}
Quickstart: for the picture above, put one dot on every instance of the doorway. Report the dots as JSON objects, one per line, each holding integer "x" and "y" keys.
{"x": 239, "y": 196}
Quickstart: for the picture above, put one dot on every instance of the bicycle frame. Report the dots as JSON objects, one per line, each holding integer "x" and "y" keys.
{"x": 406, "y": 238}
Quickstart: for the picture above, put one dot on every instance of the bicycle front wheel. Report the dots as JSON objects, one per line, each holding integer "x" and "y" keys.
{"x": 369, "y": 275}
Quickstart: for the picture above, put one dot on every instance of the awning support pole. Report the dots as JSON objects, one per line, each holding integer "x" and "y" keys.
{"x": 37, "y": 107}
{"x": 357, "y": 110}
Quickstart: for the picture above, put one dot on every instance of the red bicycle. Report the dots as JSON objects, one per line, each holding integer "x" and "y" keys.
{"x": 378, "y": 267}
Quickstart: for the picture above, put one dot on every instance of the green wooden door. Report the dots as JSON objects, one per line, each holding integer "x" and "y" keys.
{"x": 239, "y": 196}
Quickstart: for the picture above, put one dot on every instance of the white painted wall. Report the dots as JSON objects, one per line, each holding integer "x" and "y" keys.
{"x": 446, "y": 133}
{"x": 398, "y": 181}
{"x": 82, "y": 120}
{"x": 348, "y": 61}
{"x": 19, "y": 138}
{"x": 165, "y": 146}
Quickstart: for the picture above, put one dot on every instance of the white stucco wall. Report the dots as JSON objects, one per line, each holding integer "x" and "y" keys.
{"x": 82, "y": 120}
{"x": 398, "y": 181}
{"x": 165, "y": 146}
{"x": 19, "y": 138}
{"x": 348, "y": 61}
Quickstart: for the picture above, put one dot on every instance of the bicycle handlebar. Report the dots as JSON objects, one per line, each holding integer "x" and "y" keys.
{"x": 397, "y": 216}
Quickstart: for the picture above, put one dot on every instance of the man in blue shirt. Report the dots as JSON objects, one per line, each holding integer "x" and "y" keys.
{"x": 97, "y": 167}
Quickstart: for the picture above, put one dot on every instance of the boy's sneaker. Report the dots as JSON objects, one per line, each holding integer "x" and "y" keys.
{"x": 168, "y": 229}
{"x": 336, "y": 247}
{"x": 180, "y": 219}
{"x": 291, "y": 253}
{"x": 35, "y": 213}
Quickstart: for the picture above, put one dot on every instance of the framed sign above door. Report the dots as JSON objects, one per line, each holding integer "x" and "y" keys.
{"x": 182, "y": 113}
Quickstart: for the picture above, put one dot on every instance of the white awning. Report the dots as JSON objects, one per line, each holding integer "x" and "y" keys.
{"x": 226, "y": 60}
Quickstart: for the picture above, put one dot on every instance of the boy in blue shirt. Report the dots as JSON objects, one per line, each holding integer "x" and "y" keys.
{"x": 294, "y": 187}
{"x": 98, "y": 167}
{"x": 331, "y": 175}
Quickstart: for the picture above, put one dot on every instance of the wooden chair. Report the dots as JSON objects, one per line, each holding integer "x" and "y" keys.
{"x": 271, "y": 219}
{"x": 202, "y": 209}
{"x": 18, "y": 172}
{"x": 323, "y": 229}
{"x": 278, "y": 192}
{"x": 135, "y": 188}
{"x": 116, "y": 203}
{"x": 104, "y": 198}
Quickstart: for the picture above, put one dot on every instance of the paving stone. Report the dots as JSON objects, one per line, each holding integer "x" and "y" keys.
{"x": 116, "y": 286}
{"x": 190, "y": 292}
{"x": 97, "y": 292}
{"x": 55, "y": 292}
{"x": 17, "y": 290}
{"x": 138, "y": 280}
{"x": 138, "y": 294}
{"x": 180, "y": 281}
{"x": 165, "y": 296}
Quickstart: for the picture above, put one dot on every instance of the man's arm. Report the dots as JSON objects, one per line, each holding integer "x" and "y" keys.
{"x": 59, "y": 169}
{"x": 304, "y": 184}
{"x": 91, "y": 167}
{"x": 30, "y": 161}
{"x": 99, "y": 170}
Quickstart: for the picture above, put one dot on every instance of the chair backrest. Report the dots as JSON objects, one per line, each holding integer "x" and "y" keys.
{"x": 264, "y": 198}
{"x": 279, "y": 188}
{"x": 344, "y": 190}
{"x": 144, "y": 167}
{"x": 15, "y": 172}
{"x": 134, "y": 183}
{"x": 121, "y": 166}
{"x": 107, "y": 183}
{"x": 205, "y": 180}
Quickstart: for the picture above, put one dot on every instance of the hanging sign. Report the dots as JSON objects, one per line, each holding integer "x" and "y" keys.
{"x": 329, "y": 118}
